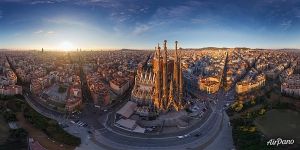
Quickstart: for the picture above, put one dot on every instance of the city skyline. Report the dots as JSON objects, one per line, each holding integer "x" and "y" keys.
{"x": 137, "y": 99}
{"x": 102, "y": 24}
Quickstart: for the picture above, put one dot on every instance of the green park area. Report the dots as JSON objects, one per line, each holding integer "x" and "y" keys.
{"x": 266, "y": 116}
{"x": 50, "y": 127}
{"x": 275, "y": 96}
{"x": 10, "y": 138}
{"x": 280, "y": 123}
{"x": 45, "y": 130}
{"x": 4, "y": 130}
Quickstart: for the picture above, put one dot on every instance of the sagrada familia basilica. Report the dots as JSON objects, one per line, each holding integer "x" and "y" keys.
{"x": 159, "y": 86}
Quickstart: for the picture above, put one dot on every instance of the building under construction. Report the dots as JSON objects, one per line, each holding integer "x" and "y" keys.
{"x": 159, "y": 85}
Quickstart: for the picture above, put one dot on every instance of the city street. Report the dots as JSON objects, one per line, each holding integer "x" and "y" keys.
{"x": 197, "y": 135}
{"x": 104, "y": 134}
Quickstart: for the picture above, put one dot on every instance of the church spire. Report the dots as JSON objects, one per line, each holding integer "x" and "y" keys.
{"x": 157, "y": 99}
{"x": 176, "y": 51}
{"x": 176, "y": 68}
{"x": 180, "y": 81}
{"x": 165, "y": 77}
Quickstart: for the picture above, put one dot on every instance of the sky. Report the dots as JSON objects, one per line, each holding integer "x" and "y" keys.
{"x": 102, "y": 24}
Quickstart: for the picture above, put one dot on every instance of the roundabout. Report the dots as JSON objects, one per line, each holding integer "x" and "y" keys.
{"x": 197, "y": 136}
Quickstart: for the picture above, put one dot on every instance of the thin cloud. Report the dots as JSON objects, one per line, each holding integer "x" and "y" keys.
{"x": 34, "y": 2}
{"x": 200, "y": 20}
{"x": 141, "y": 29}
{"x": 102, "y": 3}
{"x": 42, "y": 2}
{"x": 64, "y": 21}
{"x": 42, "y": 32}
{"x": 165, "y": 16}
{"x": 286, "y": 24}
{"x": 50, "y": 32}
{"x": 38, "y": 32}
{"x": 13, "y": 0}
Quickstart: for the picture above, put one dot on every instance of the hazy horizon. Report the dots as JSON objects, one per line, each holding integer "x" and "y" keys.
{"x": 111, "y": 49}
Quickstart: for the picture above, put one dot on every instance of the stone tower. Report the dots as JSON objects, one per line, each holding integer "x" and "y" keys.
{"x": 176, "y": 69}
{"x": 165, "y": 76}
{"x": 157, "y": 73}
{"x": 168, "y": 86}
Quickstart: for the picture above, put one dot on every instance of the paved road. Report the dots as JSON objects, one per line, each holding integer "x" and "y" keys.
{"x": 224, "y": 139}
{"x": 198, "y": 135}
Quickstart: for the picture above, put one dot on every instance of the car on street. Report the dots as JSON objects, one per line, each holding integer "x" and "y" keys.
{"x": 198, "y": 134}
{"x": 180, "y": 137}
{"x": 186, "y": 135}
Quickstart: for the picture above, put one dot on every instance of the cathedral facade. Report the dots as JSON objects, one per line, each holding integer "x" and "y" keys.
{"x": 160, "y": 87}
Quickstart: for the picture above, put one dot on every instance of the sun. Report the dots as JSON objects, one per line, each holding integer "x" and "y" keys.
{"x": 66, "y": 46}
